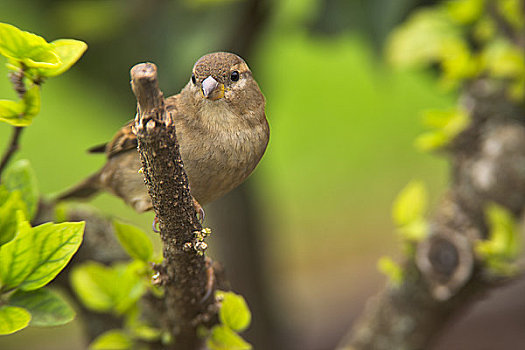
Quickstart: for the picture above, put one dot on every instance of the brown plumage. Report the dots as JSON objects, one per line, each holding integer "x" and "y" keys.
{"x": 221, "y": 129}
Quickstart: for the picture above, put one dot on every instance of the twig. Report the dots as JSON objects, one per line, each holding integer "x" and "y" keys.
{"x": 17, "y": 79}
{"x": 12, "y": 148}
{"x": 184, "y": 270}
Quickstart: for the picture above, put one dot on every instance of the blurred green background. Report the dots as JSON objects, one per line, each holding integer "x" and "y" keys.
{"x": 342, "y": 129}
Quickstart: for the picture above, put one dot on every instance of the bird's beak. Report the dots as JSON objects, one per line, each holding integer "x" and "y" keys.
{"x": 212, "y": 89}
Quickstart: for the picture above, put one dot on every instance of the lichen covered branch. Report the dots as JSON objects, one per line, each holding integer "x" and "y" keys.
{"x": 184, "y": 272}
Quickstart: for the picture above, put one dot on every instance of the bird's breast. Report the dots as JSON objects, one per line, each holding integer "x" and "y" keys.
{"x": 220, "y": 152}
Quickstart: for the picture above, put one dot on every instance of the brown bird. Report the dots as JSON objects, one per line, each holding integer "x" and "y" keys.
{"x": 221, "y": 129}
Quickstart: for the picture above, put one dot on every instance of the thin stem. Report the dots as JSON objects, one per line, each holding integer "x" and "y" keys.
{"x": 12, "y": 148}
{"x": 17, "y": 79}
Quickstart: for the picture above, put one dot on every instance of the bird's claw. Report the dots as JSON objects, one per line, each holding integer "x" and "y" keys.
{"x": 210, "y": 275}
{"x": 155, "y": 224}
{"x": 200, "y": 211}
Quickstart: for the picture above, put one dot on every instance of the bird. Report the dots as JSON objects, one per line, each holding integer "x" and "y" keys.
{"x": 221, "y": 128}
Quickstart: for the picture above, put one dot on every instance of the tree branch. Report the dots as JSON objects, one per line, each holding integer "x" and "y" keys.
{"x": 445, "y": 276}
{"x": 12, "y": 148}
{"x": 17, "y": 79}
{"x": 184, "y": 271}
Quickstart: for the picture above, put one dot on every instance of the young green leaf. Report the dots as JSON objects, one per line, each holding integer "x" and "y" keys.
{"x": 145, "y": 332}
{"x": 69, "y": 51}
{"x": 447, "y": 124}
{"x": 103, "y": 288}
{"x": 94, "y": 284}
{"x": 31, "y": 49}
{"x": 56, "y": 244}
{"x": 16, "y": 257}
{"x": 32, "y": 102}
{"x": 20, "y": 176}
{"x": 13, "y": 319}
{"x": 46, "y": 307}
{"x": 134, "y": 241}
{"x": 114, "y": 339}
{"x": 10, "y": 210}
{"x": 391, "y": 269}
{"x": 234, "y": 311}
{"x": 464, "y": 11}
{"x": 410, "y": 204}
{"x": 503, "y": 246}
{"x": 422, "y": 39}
{"x": 12, "y": 112}
{"x": 38, "y": 254}
{"x": 223, "y": 338}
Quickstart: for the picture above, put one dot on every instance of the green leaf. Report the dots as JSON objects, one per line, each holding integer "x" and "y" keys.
{"x": 422, "y": 39}
{"x": 465, "y": 11}
{"x": 16, "y": 258}
{"x": 21, "y": 177}
{"x": 46, "y": 307}
{"x": 503, "y": 59}
{"x": 11, "y": 211}
{"x": 145, "y": 332}
{"x": 391, "y": 269}
{"x": 223, "y": 338}
{"x": 94, "y": 284}
{"x": 134, "y": 241}
{"x": 38, "y": 254}
{"x": 12, "y": 112}
{"x": 503, "y": 247}
{"x": 512, "y": 11}
{"x": 414, "y": 231}
{"x": 234, "y": 311}
{"x": 431, "y": 141}
{"x": 13, "y": 319}
{"x": 447, "y": 125}
{"x": 69, "y": 51}
{"x": 31, "y": 49}
{"x": 103, "y": 288}
{"x": 115, "y": 339}
{"x": 32, "y": 102}
{"x": 411, "y": 204}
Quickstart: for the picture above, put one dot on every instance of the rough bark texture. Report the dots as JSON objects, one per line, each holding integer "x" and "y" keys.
{"x": 445, "y": 275}
{"x": 184, "y": 271}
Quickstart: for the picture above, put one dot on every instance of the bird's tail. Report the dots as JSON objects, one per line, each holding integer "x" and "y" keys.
{"x": 83, "y": 190}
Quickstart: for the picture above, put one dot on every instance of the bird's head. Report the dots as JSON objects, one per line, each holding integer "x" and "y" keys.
{"x": 223, "y": 76}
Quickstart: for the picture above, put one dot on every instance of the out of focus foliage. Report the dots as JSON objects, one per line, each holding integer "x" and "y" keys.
{"x": 468, "y": 39}
{"x": 503, "y": 247}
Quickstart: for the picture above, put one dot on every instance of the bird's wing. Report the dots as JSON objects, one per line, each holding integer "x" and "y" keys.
{"x": 123, "y": 140}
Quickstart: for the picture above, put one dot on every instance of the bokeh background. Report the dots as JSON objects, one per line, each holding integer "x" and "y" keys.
{"x": 300, "y": 240}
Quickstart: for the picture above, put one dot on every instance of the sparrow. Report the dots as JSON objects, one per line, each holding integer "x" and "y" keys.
{"x": 221, "y": 129}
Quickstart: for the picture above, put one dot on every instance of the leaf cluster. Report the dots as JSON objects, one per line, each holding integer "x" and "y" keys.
{"x": 467, "y": 39}
{"x": 408, "y": 212}
{"x": 234, "y": 317}
{"x": 31, "y": 59}
{"x": 117, "y": 289}
{"x": 500, "y": 250}
{"x": 31, "y": 257}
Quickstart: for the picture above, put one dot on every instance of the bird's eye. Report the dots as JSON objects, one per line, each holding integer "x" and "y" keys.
{"x": 193, "y": 80}
{"x": 234, "y": 76}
